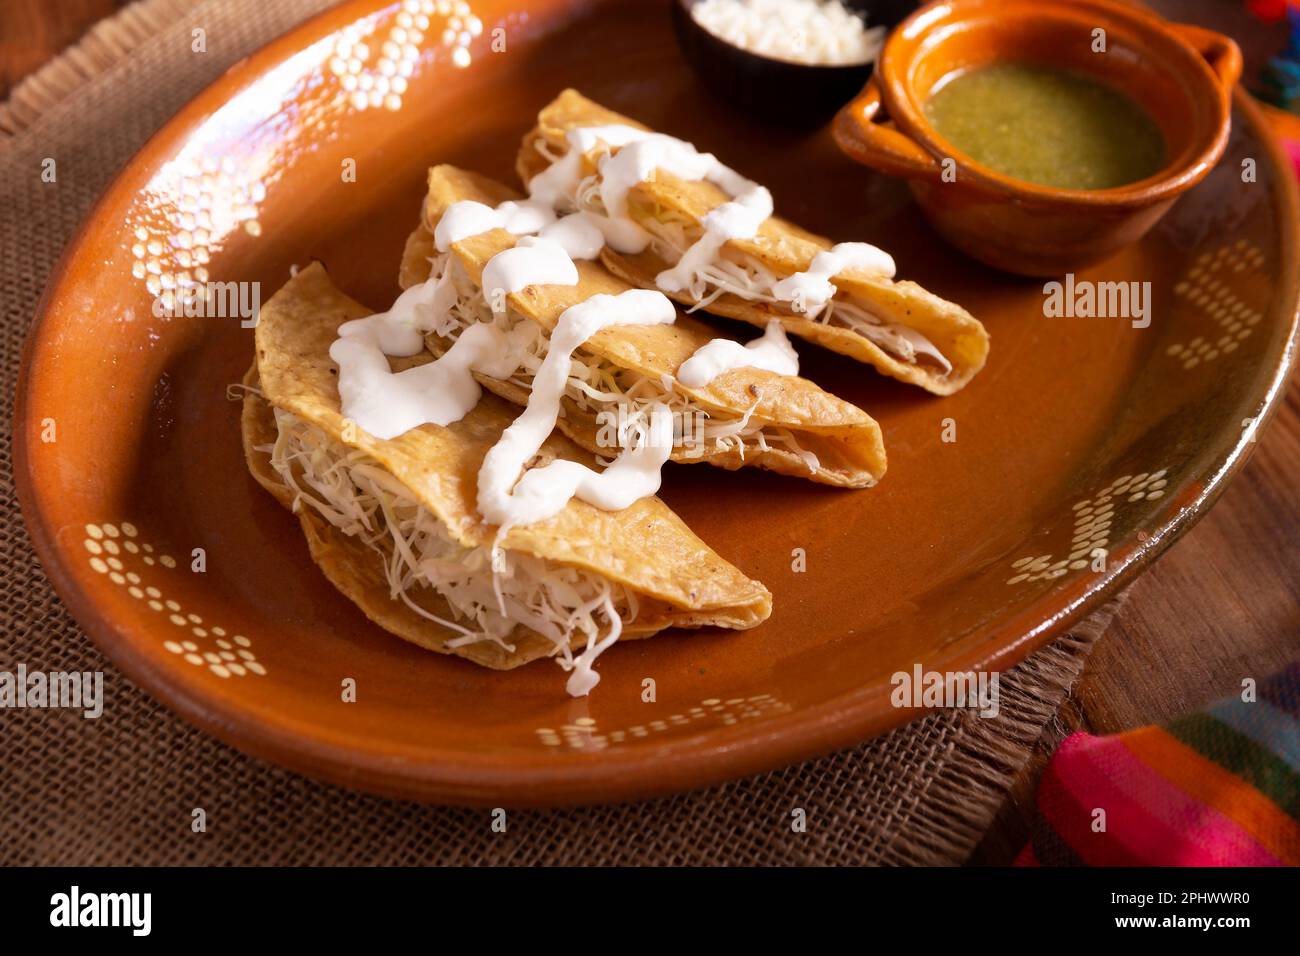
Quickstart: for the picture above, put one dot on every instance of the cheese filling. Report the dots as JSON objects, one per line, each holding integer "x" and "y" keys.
{"x": 489, "y": 591}
{"x": 728, "y": 272}
{"x": 741, "y": 275}
{"x": 620, "y": 400}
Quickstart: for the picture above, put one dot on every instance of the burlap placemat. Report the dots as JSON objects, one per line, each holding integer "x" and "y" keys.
{"x": 121, "y": 789}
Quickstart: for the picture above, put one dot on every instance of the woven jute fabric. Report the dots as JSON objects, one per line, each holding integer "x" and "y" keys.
{"x": 122, "y": 789}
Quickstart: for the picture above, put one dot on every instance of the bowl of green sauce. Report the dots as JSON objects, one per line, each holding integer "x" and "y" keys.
{"x": 1040, "y": 136}
{"x": 1048, "y": 126}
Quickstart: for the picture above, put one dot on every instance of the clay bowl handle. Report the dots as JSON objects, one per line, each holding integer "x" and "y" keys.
{"x": 881, "y": 147}
{"x": 1223, "y": 55}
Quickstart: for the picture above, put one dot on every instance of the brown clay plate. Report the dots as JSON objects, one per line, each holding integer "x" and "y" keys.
{"x": 1081, "y": 433}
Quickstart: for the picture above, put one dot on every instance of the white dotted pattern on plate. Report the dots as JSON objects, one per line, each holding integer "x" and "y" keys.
{"x": 112, "y": 547}
{"x": 385, "y": 83}
{"x": 1092, "y": 521}
{"x": 1204, "y": 286}
{"x": 583, "y": 733}
{"x": 212, "y": 197}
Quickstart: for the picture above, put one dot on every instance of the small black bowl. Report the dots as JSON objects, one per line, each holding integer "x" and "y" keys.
{"x": 778, "y": 92}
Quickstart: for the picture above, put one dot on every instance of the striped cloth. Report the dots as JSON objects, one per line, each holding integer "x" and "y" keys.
{"x": 1217, "y": 788}
{"x": 1292, "y": 147}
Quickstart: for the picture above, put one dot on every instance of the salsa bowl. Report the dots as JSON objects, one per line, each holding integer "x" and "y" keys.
{"x": 1182, "y": 76}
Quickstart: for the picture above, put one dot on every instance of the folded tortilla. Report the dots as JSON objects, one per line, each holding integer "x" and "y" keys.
{"x": 745, "y": 416}
{"x": 361, "y": 501}
{"x": 893, "y": 326}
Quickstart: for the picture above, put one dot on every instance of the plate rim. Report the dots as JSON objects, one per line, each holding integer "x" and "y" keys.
{"x": 687, "y": 762}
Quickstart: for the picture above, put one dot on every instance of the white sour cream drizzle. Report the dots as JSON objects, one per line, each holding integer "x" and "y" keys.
{"x": 578, "y": 234}
{"x": 543, "y": 492}
{"x": 738, "y": 219}
{"x": 771, "y": 351}
{"x": 813, "y": 288}
{"x": 468, "y": 218}
{"x": 387, "y": 403}
{"x": 534, "y": 261}
{"x": 639, "y": 154}
{"x": 555, "y": 186}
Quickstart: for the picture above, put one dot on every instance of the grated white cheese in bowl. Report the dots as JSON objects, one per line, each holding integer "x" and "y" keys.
{"x": 814, "y": 32}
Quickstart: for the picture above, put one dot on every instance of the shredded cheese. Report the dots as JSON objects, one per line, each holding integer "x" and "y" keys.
{"x": 490, "y": 591}
{"x": 607, "y": 391}
{"x": 820, "y": 32}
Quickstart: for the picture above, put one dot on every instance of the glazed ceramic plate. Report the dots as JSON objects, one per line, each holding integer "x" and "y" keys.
{"x": 1081, "y": 433}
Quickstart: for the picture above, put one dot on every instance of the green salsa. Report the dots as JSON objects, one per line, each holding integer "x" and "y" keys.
{"x": 1047, "y": 126}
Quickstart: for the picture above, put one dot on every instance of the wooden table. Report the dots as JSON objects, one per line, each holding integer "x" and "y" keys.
{"x": 1222, "y": 604}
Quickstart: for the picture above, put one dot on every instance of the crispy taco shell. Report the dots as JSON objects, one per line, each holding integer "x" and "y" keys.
{"x": 845, "y": 440}
{"x": 783, "y": 248}
{"x": 678, "y": 580}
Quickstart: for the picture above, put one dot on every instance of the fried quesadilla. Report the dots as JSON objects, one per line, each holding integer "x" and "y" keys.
{"x": 701, "y": 233}
{"x": 393, "y": 524}
{"x": 743, "y": 416}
